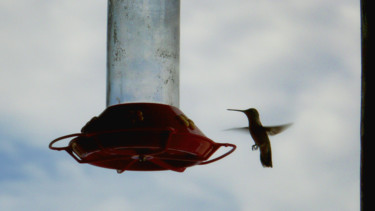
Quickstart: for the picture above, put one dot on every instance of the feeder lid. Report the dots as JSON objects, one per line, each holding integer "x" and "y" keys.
{"x": 142, "y": 137}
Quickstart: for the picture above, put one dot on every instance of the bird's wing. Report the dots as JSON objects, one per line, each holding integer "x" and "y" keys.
{"x": 241, "y": 129}
{"x": 273, "y": 130}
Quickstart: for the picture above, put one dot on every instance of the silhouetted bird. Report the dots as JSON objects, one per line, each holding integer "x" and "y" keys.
{"x": 260, "y": 135}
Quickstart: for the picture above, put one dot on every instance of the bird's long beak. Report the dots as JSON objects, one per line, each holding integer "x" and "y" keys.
{"x": 235, "y": 110}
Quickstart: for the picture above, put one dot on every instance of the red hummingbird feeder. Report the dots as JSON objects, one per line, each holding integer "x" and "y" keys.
{"x": 142, "y": 137}
{"x": 142, "y": 128}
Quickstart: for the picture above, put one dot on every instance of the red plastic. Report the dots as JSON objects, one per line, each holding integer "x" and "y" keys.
{"x": 142, "y": 137}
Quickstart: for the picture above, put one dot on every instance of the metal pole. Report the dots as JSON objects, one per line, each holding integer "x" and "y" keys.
{"x": 366, "y": 106}
{"x": 143, "y": 41}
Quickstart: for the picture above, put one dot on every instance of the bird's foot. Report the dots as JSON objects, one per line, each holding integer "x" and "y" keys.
{"x": 255, "y": 147}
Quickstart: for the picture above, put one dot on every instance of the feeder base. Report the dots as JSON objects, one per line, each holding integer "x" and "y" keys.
{"x": 142, "y": 137}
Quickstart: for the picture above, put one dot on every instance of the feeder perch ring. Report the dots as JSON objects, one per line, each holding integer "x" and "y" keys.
{"x": 142, "y": 137}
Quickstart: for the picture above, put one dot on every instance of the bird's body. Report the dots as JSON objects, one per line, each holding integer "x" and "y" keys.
{"x": 259, "y": 133}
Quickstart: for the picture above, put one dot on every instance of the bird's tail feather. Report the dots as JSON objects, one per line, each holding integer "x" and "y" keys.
{"x": 266, "y": 158}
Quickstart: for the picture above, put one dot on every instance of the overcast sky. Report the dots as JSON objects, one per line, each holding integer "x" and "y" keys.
{"x": 295, "y": 61}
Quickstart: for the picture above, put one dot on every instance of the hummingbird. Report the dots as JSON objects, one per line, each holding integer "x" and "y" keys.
{"x": 260, "y": 133}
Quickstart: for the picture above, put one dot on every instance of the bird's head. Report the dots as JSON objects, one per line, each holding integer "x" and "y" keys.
{"x": 251, "y": 113}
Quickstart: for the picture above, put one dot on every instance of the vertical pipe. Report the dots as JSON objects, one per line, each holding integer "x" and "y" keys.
{"x": 143, "y": 41}
{"x": 367, "y": 105}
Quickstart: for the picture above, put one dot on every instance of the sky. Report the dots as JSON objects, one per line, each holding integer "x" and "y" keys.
{"x": 294, "y": 61}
